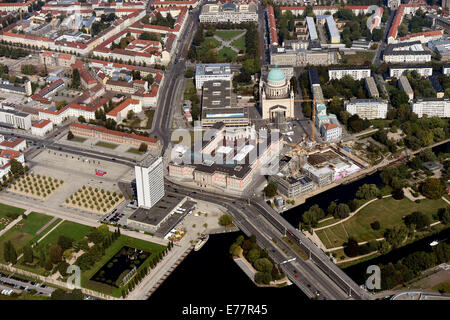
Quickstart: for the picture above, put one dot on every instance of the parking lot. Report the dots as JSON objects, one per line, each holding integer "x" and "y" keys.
{"x": 17, "y": 285}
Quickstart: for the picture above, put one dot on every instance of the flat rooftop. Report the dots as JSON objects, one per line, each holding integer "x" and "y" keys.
{"x": 159, "y": 211}
{"x": 212, "y": 69}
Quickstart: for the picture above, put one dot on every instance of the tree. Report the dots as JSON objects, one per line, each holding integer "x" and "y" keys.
{"x": 433, "y": 188}
{"x": 331, "y": 207}
{"x": 420, "y": 220}
{"x": 55, "y": 254}
{"x": 367, "y": 191}
{"x": 6, "y": 251}
{"x": 396, "y": 236}
{"x": 263, "y": 277}
{"x": 81, "y": 119}
{"x": 254, "y": 254}
{"x": 444, "y": 215}
{"x": 375, "y": 225}
{"x": 28, "y": 254}
{"x": 398, "y": 194}
{"x": 313, "y": 215}
{"x": 189, "y": 73}
{"x": 225, "y": 220}
{"x": 271, "y": 189}
{"x": 76, "y": 82}
{"x": 263, "y": 265}
{"x": 341, "y": 211}
{"x": 351, "y": 248}
{"x": 143, "y": 147}
{"x": 65, "y": 242}
{"x": 70, "y": 135}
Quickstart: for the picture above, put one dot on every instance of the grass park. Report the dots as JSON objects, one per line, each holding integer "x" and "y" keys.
{"x": 239, "y": 43}
{"x": 106, "y": 145}
{"x": 8, "y": 214}
{"x": 388, "y": 211}
{"x": 228, "y": 34}
{"x": 78, "y": 139}
{"x": 227, "y": 52}
{"x": 24, "y": 232}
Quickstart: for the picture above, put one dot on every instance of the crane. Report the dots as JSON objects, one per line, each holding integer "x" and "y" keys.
{"x": 313, "y": 112}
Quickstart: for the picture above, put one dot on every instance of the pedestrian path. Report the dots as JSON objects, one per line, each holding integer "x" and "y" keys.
{"x": 13, "y": 223}
{"x": 351, "y": 214}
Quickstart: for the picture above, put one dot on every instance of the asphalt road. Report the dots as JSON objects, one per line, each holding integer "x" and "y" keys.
{"x": 171, "y": 93}
{"x": 316, "y": 274}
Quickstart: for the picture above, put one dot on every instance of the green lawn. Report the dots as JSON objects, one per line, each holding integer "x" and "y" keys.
{"x": 69, "y": 229}
{"x": 227, "y": 52}
{"x": 359, "y": 58}
{"x": 211, "y": 42}
{"x": 134, "y": 150}
{"x": 228, "y": 34}
{"x": 106, "y": 145}
{"x": 239, "y": 43}
{"x": 388, "y": 212}
{"x": 78, "y": 139}
{"x": 24, "y": 231}
{"x": 6, "y": 210}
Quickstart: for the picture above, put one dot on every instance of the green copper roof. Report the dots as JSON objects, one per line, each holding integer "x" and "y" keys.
{"x": 276, "y": 75}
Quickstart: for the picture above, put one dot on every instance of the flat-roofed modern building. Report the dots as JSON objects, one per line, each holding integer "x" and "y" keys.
{"x": 212, "y": 71}
{"x": 312, "y": 31}
{"x": 15, "y": 118}
{"x": 432, "y": 107}
{"x": 409, "y": 52}
{"x": 371, "y": 87}
{"x": 404, "y": 85}
{"x": 356, "y": 73}
{"x": 149, "y": 181}
{"x": 367, "y": 108}
{"x": 292, "y": 187}
{"x": 332, "y": 30}
{"x": 229, "y": 12}
{"x": 397, "y": 71}
{"x": 216, "y": 106}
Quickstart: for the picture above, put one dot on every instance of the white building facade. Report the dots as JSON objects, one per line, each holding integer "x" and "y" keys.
{"x": 431, "y": 107}
{"x": 149, "y": 182}
{"x": 367, "y": 108}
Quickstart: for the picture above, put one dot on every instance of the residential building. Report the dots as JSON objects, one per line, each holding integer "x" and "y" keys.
{"x": 422, "y": 70}
{"x": 403, "y": 84}
{"x": 371, "y": 87}
{"x": 229, "y": 12}
{"x": 212, "y": 71}
{"x": 331, "y": 132}
{"x": 356, "y": 73}
{"x": 409, "y": 52}
{"x": 292, "y": 187}
{"x": 367, "y": 108}
{"x": 149, "y": 181}
{"x": 432, "y": 107}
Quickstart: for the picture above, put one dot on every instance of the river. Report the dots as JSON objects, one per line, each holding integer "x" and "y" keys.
{"x": 205, "y": 276}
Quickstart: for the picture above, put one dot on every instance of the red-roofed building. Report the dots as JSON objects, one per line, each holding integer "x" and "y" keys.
{"x": 112, "y": 135}
{"x": 41, "y": 128}
{"x": 14, "y": 143}
{"x": 121, "y": 111}
{"x": 273, "y": 35}
{"x": 5, "y": 160}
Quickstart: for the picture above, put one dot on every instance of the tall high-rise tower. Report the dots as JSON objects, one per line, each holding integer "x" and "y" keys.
{"x": 149, "y": 181}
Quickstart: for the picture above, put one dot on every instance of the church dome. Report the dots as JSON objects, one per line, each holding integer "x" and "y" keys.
{"x": 276, "y": 75}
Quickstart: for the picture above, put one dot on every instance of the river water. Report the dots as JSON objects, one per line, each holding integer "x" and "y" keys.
{"x": 210, "y": 273}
